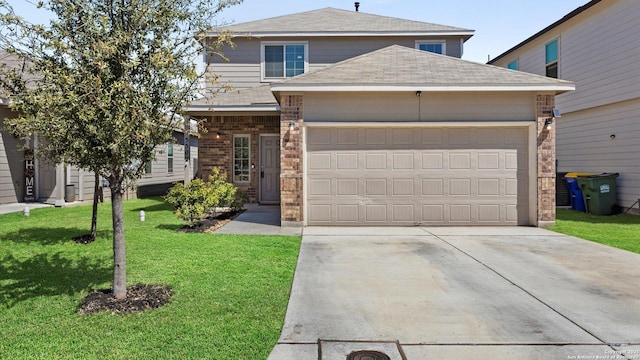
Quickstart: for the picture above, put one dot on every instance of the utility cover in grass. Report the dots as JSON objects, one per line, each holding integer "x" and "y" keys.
{"x": 139, "y": 298}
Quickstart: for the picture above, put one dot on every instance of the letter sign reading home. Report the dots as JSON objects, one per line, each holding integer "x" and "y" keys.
{"x": 29, "y": 175}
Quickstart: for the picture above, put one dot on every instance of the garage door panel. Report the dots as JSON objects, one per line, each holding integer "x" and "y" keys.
{"x": 489, "y": 187}
{"x": 376, "y": 187}
{"x": 375, "y": 137}
{"x": 417, "y": 176}
{"x": 460, "y": 213}
{"x": 320, "y": 213}
{"x": 348, "y": 213}
{"x": 403, "y": 187}
{"x": 347, "y": 187}
{"x": 431, "y": 136}
{"x": 376, "y": 161}
{"x": 459, "y": 161}
{"x": 459, "y": 137}
{"x": 319, "y": 187}
{"x": 319, "y": 162}
{"x": 376, "y": 214}
{"x": 489, "y": 161}
{"x": 432, "y": 161}
{"x": 403, "y": 137}
{"x": 489, "y": 213}
{"x": 432, "y": 187}
{"x": 347, "y": 137}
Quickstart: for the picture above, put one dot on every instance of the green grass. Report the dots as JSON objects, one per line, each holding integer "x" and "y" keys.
{"x": 621, "y": 231}
{"x": 229, "y": 292}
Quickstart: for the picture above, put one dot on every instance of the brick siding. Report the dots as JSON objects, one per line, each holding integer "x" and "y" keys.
{"x": 546, "y": 161}
{"x": 213, "y": 152}
{"x": 292, "y": 165}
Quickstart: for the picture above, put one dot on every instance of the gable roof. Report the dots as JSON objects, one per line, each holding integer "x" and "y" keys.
{"x": 540, "y": 33}
{"x": 338, "y": 22}
{"x": 399, "y": 68}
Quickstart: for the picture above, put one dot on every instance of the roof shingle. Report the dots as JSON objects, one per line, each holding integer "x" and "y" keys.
{"x": 331, "y": 20}
{"x": 399, "y": 66}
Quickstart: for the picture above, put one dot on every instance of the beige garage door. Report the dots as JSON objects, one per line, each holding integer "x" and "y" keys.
{"x": 417, "y": 176}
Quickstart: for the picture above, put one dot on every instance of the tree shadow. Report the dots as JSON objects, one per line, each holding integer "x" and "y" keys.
{"x": 49, "y": 275}
{"x": 172, "y": 227}
{"x": 163, "y": 206}
{"x": 48, "y": 236}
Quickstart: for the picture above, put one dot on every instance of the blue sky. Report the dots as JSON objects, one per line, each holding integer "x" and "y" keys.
{"x": 499, "y": 24}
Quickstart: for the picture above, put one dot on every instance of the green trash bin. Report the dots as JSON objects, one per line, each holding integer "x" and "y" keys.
{"x": 599, "y": 193}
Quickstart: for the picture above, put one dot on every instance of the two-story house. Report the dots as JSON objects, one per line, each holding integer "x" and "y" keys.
{"x": 26, "y": 177}
{"x": 348, "y": 118}
{"x": 597, "y": 46}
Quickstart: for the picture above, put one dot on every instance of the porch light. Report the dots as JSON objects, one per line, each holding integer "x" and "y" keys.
{"x": 548, "y": 123}
{"x": 217, "y": 135}
{"x": 292, "y": 125}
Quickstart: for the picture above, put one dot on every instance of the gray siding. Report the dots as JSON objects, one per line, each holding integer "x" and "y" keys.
{"x": 11, "y": 164}
{"x": 584, "y": 144}
{"x": 243, "y": 67}
{"x": 429, "y": 107}
{"x": 600, "y": 52}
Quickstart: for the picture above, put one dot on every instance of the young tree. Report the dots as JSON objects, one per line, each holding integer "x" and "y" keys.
{"x": 109, "y": 80}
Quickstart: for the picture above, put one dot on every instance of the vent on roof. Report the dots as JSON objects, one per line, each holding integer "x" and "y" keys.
{"x": 357, "y": 4}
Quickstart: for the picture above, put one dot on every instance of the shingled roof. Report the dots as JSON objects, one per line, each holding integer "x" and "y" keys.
{"x": 399, "y": 68}
{"x": 337, "y": 22}
{"x": 257, "y": 99}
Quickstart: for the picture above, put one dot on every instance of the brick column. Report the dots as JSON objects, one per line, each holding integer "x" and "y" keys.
{"x": 291, "y": 161}
{"x": 546, "y": 161}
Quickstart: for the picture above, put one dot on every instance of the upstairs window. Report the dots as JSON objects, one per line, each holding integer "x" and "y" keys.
{"x": 438, "y": 47}
{"x": 513, "y": 65}
{"x": 284, "y": 60}
{"x": 551, "y": 56}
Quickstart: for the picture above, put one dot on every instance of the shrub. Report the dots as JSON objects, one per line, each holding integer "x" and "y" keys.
{"x": 199, "y": 198}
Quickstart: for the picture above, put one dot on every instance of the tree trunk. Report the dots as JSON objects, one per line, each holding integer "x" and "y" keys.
{"x": 94, "y": 214}
{"x": 119, "y": 257}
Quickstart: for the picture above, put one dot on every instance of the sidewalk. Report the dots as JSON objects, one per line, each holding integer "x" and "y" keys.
{"x": 258, "y": 220}
{"x": 19, "y": 207}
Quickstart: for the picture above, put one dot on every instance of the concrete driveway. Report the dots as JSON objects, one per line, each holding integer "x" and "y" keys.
{"x": 460, "y": 293}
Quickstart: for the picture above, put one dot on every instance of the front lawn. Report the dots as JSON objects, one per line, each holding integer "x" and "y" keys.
{"x": 621, "y": 231}
{"x": 229, "y": 292}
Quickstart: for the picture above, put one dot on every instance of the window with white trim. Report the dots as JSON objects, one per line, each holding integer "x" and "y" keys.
{"x": 437, "y": 46}
{"x": 241, "y": 158}
{"x": 551, "y": 58}
{"x": 513, "y": 65}
{"x": 148, "y": 167}
{"x": 170, "y": 158}
{"x": 284, "y": 59}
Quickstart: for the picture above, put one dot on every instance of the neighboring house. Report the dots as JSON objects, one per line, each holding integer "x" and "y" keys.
{"x": 597, "y": 46}
{"x": 27, "y": 178}
{"x": 347, "y": 118}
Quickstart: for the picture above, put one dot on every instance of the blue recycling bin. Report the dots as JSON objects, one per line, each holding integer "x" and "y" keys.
{"x": 575, "y": 192}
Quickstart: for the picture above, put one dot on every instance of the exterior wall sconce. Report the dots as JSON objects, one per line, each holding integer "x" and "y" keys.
{"x": 218, "y": 135}
{"x": 548, "y": 123}
{"x": 292, "y": 125}
{"x": 418, "y": 93}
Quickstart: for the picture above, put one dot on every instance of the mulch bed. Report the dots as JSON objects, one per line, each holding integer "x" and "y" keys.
{"x": 212, "y": 223}
{"x": 84, "y": 239}
{"x": 139, "y": 298}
